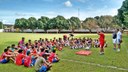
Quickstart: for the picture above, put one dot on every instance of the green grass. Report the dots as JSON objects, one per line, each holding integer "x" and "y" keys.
{"x": 111, "y": 58}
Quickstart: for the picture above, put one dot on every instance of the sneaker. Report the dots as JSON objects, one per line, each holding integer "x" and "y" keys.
{"x": 114, "y": 49}
{"x": 118, "y": 50}
{"x": 101, "y": 53}
{"x": 87, "y": 48}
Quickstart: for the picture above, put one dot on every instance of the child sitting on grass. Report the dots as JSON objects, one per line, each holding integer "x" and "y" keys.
{"x": 41, "y": 64}
{"x": 20, "y": 58}
{"x": 5, "y": 57}
{"x": 53, "y": 57}
{"x": 27, "y": 60}
{"x": 12, "y": 49}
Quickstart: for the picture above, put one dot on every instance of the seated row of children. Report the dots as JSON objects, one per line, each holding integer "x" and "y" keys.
{"x": 87, "y": 43}
{"x": 40, "y": 54}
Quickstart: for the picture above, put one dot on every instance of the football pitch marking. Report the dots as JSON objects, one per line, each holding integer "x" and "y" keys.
{"x": 99, "y": 65}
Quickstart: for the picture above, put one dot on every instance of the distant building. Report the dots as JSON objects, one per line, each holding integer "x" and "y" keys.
{"x": 8, "y": 27}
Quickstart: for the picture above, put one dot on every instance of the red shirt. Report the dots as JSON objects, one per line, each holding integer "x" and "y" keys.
{"x": 27, "y": 61}
{"x": 3, "y": 56}
{"x": 41, "y": 53}
{"x": 25, "y": 50}
{"x": 102, "y": 36}
{"x": 51, "y": 57}
{"x": 19, "y": 58}
{"x": 34, "y": 51}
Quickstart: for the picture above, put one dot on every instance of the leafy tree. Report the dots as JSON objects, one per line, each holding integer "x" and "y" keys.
{"x": 43, "y": 22}
{"x": 1, "y": 25}
{"x": 33, "y": 23}
{"x": 115, "y": 22}
{"x": 75, "y": 23}
{"x": 123, "y": 14}
{"x": 39, "y": 24}
{"x": 61, "y": 22}
{"x": 58, "y": 22}
{"x": 90, "y": 23}
{"x": 21, "y": 24}
{"x": 105, "y": 22}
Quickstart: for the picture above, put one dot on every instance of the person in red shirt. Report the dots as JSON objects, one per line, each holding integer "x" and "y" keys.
{"x": 27, "y": 60}
{"x": 33, "y": 51}
{"x": 20, "y": 58}
{"x": 42, "y": 52}
{"x": 102, "y": 41}
{"x": 53, "y": 57}
{"x": 5, "y": 57}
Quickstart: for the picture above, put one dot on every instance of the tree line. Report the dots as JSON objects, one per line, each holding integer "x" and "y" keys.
{"x": 60, "y": 23}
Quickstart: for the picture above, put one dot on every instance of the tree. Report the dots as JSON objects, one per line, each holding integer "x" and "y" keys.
{"x": 58, "y": 22}
{"x": 43, "y": 22}
{"x": 123, "y": 14}
{"x": 115, "y": 22}
{"x": 104, "y": 22}
{"x": 32, "y": 23}
{"x": 90, "y": 23}
{"x": 1, "y": 25}
{"x": 75, "y": 23}
{"x": 61, "y": 23}
{"x": 17, "y": 25}
{"x": 39, "y": 24}
{"x": 21, "y": 24}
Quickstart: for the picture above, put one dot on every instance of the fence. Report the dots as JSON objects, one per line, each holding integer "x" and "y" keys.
{"x": 60, "y": 31}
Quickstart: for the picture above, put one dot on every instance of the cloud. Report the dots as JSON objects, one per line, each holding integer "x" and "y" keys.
{"x": 68, "y": 4}
{"x": 48, "y": 0}
{"x": 98, "y": 12}
{"x": 24, "y": 14}
{"x": 83, "y": 1}
{"x": 10, "y": 16}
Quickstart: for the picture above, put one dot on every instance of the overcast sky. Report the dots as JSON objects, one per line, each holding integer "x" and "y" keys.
{"x": 12, "y": 9}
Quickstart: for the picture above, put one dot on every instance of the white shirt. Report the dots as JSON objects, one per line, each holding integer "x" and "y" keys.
{"x": 119, "y": 34}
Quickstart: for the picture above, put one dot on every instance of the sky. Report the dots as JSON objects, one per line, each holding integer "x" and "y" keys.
{"x": 13, "y": 9}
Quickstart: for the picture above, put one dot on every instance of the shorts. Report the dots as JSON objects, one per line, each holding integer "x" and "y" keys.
{"x": 118, "y": 41}
{"x": 22, "y": 61}
{"x": 54, "y": 60}
{"x": 101, "y": 44}
{"x": 114, "y": 41}
{"x": 43, "y": 69}
{"x": 4, "y": 61}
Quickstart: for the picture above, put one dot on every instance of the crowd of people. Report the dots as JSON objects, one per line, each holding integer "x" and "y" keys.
{"x": 42, "y": 53}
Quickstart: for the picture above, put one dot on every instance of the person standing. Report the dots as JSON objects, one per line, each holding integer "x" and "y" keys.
{"x": 102, "y": 41}
{"x": 119, "y": 39}
{"x": 114, "y": 37}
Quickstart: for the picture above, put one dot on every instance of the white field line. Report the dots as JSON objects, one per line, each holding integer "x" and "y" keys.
{"x": 99, "y": 65}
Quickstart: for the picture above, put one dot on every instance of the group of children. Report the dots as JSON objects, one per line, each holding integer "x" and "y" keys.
{"x": 86, "y": 43}
{"x": 40, "y": 54}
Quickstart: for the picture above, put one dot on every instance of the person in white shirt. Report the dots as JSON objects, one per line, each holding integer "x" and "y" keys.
{"x": 119, "y": 39}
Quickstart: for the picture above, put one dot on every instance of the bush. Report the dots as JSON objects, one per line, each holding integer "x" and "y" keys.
{"x": 1, "y": 25}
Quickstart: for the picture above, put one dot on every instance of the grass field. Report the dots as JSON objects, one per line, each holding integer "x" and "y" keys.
{"x": 112, "y": 61}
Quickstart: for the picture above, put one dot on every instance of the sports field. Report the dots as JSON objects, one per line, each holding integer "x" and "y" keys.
{"x": 112, "y": 61}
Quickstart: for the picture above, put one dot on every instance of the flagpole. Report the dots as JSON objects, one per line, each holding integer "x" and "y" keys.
{"x": 78, "y": 12}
